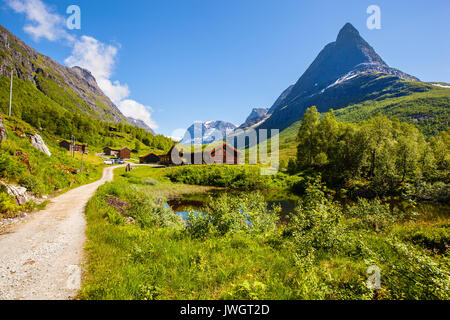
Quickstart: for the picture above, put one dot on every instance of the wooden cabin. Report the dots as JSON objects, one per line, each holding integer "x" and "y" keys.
{"x": 82, "y": 148}
{"x": 65, "y": 144}
{"x": 150, "y": 158}
{"x": 124, "y": 153}
{"x": 110, "y": 152}
{"x": 166, "y": 159}
{"x": 224, "y": 154}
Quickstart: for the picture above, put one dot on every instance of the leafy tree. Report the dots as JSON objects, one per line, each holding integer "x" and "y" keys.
{"x": 137, "y": 147}
{"x": 308, "y": 147}
{"x": 388, "y": 153}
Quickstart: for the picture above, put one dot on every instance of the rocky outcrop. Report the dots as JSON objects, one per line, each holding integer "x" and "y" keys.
{"x": 2, "y": 130}
{"x": 19, "y": 193}
{"x": 38, "y": 143}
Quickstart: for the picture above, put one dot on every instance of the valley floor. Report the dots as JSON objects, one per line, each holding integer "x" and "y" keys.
{"x": 137, "y": 249}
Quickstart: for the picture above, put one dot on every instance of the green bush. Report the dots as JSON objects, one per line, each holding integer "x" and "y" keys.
{"x": 8, "y": 206}
{"x": 412, "y": 274}
{"x": 32, "y": 183}
{"x": 142, "y": 207}
{"x": 436, "y": 239}
{"x": 9, "y": 168}
{"x": 316, "y": 223}
{"x": 372, "y": 214}
{"x": 199, "y": 225}
{"x": 234, "y": 177}
{"x": 246, "y": 290}
{"x": 232, "y": 214}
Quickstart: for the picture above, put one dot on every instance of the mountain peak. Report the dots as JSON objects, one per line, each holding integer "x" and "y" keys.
{"x": 207, "y": 132}
{"x": 329, "y": 81}
{"x": 348, "y": 32}
{"x": 347, "y": 57}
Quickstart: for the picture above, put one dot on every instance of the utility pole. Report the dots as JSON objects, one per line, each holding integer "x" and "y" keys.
{"x": 10, "y": 93}
{"x": 82, "y": 154}
{"x": 72, "y": 147}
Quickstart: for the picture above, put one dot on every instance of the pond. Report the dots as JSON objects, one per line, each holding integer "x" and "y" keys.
{"x": 288, "y": 201}
{"x": 195, "y": 202}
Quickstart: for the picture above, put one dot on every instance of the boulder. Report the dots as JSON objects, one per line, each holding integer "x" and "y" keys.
{"x": 2, "y": 130}
{"x": 38, "y": 143}
{"x": 20, "y": 193}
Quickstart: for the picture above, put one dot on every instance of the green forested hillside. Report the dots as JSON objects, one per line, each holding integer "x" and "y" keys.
{"x": 377, "y": 157}
{"x": 59, "y": 116}
{"x": 429, "y": 111}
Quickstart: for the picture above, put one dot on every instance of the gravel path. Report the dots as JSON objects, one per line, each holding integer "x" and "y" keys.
{"x": 41, "y": 258}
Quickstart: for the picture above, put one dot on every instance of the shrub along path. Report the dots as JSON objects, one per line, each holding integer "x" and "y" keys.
{"x": 41, "y": 258}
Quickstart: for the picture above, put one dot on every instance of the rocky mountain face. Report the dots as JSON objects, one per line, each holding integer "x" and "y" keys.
{"x": 140, "y": 124}
{"x": 207, "y": 132}
{"x": 345, "y": 72}
{"x": 58, "y": 82}
{"x": 257, "y": 116}
{"x": 281, "y": 99}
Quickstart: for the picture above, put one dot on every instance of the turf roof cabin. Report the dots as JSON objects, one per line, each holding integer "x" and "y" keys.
{"x": 166, "y": 159}
{"x": 223, "y": 154}
{"x": 150, "y": 158}
{"x": 124, "y": 153}
{"x": 77, "y": 147}
{"x": 110, "y": 152}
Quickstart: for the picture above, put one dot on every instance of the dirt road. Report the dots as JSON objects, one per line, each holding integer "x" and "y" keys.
{"x": 41, "y": 257}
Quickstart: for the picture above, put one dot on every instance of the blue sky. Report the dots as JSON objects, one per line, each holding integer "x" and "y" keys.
{"x": 196, "y": 60}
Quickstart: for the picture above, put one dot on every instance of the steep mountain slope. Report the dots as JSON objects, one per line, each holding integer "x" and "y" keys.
{"x": 73, "y": 88}
{"x": 65, "y": 102}
{"x": 207, "y": 132}
{"x": 347, "y": 71}
{"x": 429, "y": 111}
{"x": 256, "y": 116}
{"x": 140, "y": 124}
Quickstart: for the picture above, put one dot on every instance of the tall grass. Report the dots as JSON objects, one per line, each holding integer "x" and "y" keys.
{"x": 236, "y": 249}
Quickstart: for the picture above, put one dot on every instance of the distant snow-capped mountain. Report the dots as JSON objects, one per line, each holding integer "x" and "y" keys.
{"x": 207, "y": 132}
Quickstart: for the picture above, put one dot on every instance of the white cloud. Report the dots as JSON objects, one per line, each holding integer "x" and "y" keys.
{"x": 95, "y": 56}
{"x": 43, "y": 23}
{"x": 114, "y": 90}
{"x": 178, "y": 134}
{"x": 99, "y": 59}
{"x": 134, "y": 109}
{"x": 87, "y": 52}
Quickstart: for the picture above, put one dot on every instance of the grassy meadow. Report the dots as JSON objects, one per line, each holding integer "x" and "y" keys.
{"x": 237, "y": 248}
